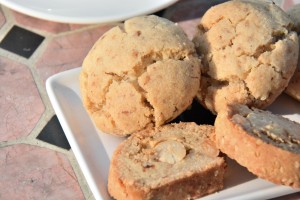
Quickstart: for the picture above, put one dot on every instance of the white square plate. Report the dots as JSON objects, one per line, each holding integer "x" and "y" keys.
{"x": 93, "y": 149}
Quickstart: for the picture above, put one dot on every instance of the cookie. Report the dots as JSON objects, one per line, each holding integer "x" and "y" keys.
{"x": 141, "y": 74}
{"x": 249, "y": 54}
{"x": 175, "y": 161}
{"x": 267, "y": 145}
{"x": 293, "y": 88}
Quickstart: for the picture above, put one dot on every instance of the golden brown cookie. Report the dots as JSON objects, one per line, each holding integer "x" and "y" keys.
{"x": 267, "y": 145}
{"x": 250, "y": 54}
{"x": 144, "y": 73}
{"x": 175, "y": 161}
{"x": 293, "y": 88}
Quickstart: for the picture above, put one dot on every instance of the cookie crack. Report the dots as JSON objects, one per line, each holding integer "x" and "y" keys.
{"x": 263, "y": 49}
{"x": 205, "y": 29}
{"x": 249, "y": 93}
{"x": 277, "y": 35}
{"x": 106, "y": 90}
{"x": 138, "y": 88}
{"x": 153, "y": 57}
{"x": 139, "y": 69}
{"x": 157, "y": 56}
{"x": 231, "y": 42}
{"x": 112, "y": 120}
{"x": 113, "y": 77}
{"x": 279, "y": 72}
{"x": 98, "y": 106}
{"x": 241, "y": 20}
{"x": 253, "y": 99}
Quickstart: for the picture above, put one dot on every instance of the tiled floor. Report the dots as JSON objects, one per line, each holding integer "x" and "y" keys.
{"x": 36, "y": 161}
{"x": 21, "y": 103}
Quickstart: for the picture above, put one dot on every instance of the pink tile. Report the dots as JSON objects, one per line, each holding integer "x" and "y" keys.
{"x": 68, "y": 51}
{"x": 30, "y": 172}
{"x": 186, "y": 17}
{"x": 44, "y": 25}
{"x": 20, "y": 103}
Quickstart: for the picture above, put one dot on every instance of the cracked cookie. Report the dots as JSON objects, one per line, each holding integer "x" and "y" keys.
{"x": 267, "y": 144}
{"x": 174, "y": 161}
{"x": 249, "y": 54}
{"x": 140, "y": 74}
{"x": 293, "y": 88}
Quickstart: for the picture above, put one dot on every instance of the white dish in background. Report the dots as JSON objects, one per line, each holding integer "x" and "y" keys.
{"x": 86, "y": 11}
{"x": 93, "y": 149}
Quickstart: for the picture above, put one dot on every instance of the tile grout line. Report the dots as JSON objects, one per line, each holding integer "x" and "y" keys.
{"x": 79, "y": 174}
{"x": 8, "y": 21}
{"x": 37, "y": 143}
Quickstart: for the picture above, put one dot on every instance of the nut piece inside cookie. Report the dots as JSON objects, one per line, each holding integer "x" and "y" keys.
{"x": 271, "y": 128}
{"x": 268, "y": 145}
{"x": 170, "y": 151}
{"x": 173, "y": 161}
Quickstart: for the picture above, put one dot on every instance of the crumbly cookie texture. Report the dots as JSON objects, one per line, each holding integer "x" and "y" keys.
{"x": 250, "y": 54}
{"x": 175, "y": 161}
{"x": 267, "y": 144}
{"x": 293, "y": 88}
{"x": 144, "y": 73}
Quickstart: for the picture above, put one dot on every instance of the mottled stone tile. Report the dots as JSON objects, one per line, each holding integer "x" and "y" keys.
{"x": 44, "y": 25}
{"x": 31, "y": 172}
{"x": 20, "y": 103}
{"x": 187, "y": 13}
{"x": 68, "y": 51}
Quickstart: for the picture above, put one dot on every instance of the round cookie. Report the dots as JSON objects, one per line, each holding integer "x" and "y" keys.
{"x": 175, "y": 161}
{"x": 140, "y": 74}
{"x": 267, "y": 145}
{"x": 293, "y": 89}
{"x": 249, "y": 54}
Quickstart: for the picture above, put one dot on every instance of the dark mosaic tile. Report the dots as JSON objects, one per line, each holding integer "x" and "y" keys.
{"x": 53, "y": 133}
{"x": 21, "y": 41}
{"x": 197, "y": 114}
